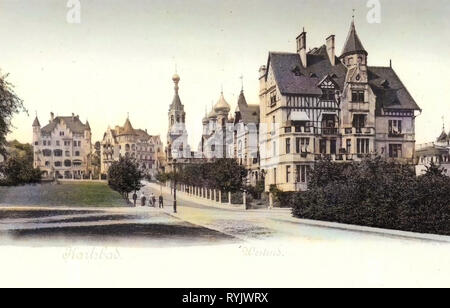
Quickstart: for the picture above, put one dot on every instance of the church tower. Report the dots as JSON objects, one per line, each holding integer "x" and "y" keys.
{"x": 177, "y": 146}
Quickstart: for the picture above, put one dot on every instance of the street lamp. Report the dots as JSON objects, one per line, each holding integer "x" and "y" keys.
{"x": 174, "y": 186}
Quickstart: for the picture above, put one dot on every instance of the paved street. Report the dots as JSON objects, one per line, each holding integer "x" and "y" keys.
{"x": 261, "y": 243}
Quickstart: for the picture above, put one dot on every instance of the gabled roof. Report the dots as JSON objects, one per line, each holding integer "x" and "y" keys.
{"x": 443, "y": 137}
{"x": 390, "y": 91}
{"x": 294, "y": 79}
{"x": 353, "y": 43}
{"x": 73, "y": 123}
{"x": 245, "y": 112}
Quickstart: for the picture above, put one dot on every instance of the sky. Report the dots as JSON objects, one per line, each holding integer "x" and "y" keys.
{"x": 121, "y": 57}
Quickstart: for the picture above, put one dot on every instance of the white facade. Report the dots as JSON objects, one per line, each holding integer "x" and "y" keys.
{"x": 62, "y": 148}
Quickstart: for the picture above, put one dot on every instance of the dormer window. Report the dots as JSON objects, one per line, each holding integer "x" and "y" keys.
{"x": 385, "y": 84}
{"x": 313, "y": 75}
{"x": 296, "y": 70}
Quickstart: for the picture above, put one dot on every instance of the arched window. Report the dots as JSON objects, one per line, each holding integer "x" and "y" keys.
{"x": 171, "y": 120}
{"x": 178, "y": 119}
{"x": 67, "y": 163}
{"x": 77, "y": 162}
{"x": 127, "y": 147}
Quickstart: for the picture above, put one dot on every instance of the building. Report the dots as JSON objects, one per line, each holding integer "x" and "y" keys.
{"x": 125, "y": 141}
{"x": 246, "y": 137}
{"x": 315, "y": 104}
{"x": 437, "y": 152}
{"x": 217, "y": 136}
{"x": 62, "y": 148}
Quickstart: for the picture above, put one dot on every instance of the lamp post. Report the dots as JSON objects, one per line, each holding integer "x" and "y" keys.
{"x": 175, "y": 186}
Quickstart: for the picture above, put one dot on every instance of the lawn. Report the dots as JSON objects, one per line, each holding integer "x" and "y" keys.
{"x": 82, "y": 194}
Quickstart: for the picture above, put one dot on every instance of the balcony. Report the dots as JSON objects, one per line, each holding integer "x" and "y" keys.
{"x": 393, "y": 134}
{"x": 330, "y": 131}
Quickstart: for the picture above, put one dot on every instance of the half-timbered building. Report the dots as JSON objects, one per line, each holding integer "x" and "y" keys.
{"x": 315, "y": 105}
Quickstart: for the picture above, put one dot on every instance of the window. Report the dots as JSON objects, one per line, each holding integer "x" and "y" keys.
{"x": 274, "y": 148}
{"x": 58, "y": 164}
{"x": 362, "y": 146}
{"x": 288, "y": 145}
{"x": 47, "y": 164}
{"x": 288, "y": 173}
{"x": 359, "y": 121}
{"x": 358, "y": 96}
{"x": 302, "y": 173}
{"x": 57, "y": 143}
{"x": 36, "y": 143}
{"x": 333, "y": 146}
{"x": 328, "y": 95}
{"x": 274, "y": 175}
{"x": 395, "y": 127}
{"x": 395, "y": 151}
{"x": 77, "y": 153}
{"x": 44, "y": 142}
{"x": 47, "y": 152}
{"x": 302, "y": 145}
{"x": 57, "y": 153}
{"x": 323, "y": 146}
{"x": 61, "y": 133}
{"x": 67, "y": 163}
{"x": 67, "y": 153}
{"x": 273, "y": 124}
{"x": 66, "y": 143}
{"x": 288, "y": 129}
{"x": 273, "y": 98}
{"x": 349, "y": 146}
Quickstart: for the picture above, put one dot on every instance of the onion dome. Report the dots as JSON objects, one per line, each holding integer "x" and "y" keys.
{"x": 222, "y": 105}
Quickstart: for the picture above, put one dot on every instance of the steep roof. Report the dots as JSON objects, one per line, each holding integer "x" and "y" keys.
{"x": 36, "y": 122}
{"x": 247, "y": 113}
{"x": 353, "y": 43}
{"x": 443, "y": 137}
{"x": 294, "y": 79}
{"x": 176, "y": 103}
{"x": 127, "y": 128}
{"x": 73, "y": 123}
{"x": 222, "y": 105}
{"x": 389, "y": 89}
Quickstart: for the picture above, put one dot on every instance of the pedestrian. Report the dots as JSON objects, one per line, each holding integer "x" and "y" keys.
{"x": 134, "y": 198}
{"x": 143, "y": 199}
{"x": 161, "y": 202}
{"x": 154, "y": 200}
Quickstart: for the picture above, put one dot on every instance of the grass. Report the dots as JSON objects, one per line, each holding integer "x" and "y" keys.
{"x": 81, "y": 194}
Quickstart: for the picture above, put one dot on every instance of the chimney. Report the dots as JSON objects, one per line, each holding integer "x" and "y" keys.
{"x": 52, "y": 116}
{"x": 301, "y": 47}
{"x": 73, "y": 116}
{"x": 262, "y": 71}
{"x": 330, "y": 49}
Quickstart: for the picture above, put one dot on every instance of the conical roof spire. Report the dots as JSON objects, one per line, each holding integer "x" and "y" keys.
{"x": 88, "y": 127}
{"x": 353, "y": 43}
{"x": 128, "y": 128}
{"x": 36, "y": 122}
{"x": 176, "y": 102}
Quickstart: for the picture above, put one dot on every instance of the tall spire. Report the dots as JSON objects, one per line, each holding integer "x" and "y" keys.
{"x": 353, "y": 43}
{"x": 176, "y": 102}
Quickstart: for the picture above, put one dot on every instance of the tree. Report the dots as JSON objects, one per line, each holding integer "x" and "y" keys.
{"x": 10, "y": 104}
{"x": 125, "y": 176}
{"x": 227, "y": 175}
{"x": 18, "y": 168}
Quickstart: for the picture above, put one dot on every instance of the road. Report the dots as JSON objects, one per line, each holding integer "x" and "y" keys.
{"x": 208, "y": 246}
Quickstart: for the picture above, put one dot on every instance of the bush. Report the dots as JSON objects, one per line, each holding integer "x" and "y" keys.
{"x": 18, "y": 170}
{"x": 378, "y": 194}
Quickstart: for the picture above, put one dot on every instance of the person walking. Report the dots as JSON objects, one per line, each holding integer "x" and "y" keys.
{"x": 153, "y": 200}
{"x": 143, "y": 199}
{"x": 134, "y": 198}
{"x": 161, "y": 202}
